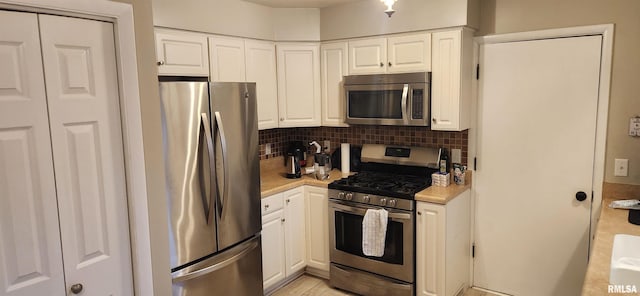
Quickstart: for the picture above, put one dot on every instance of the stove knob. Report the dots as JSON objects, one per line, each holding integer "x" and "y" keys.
{"x": 366, "y": 198}
{"x": 392, "y": 202}
{"x": 349, "y": 196}
{"x": 341, "y": 195}
{"x": 383, "y": 201}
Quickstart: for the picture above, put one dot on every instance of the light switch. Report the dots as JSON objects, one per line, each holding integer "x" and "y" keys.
{"x": 621, "y": 168}
{"x": 634, "y": 126}
{"x": 456, "y": 155}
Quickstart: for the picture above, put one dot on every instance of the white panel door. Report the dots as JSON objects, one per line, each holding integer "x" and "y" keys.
{"x": 299, "y": 85}
{"x": 430, "y": 249}
{"x": 273, "y": 259}
{"x": 334, "y": 66}
{"x": 82, "y": 91}
{"x": 317, "y": 215}
{"x": 294, "y": 230}
{"x": 368, "y": 56}
{"x": 445, "y": 80}
{"x": 409, "y": 53}
{"x": 30, "y": 254}
{"x": 182, "y": 54}
{"x": 226, "y": 59}
{"x": 536, "y": 137}
{"x": 260, "y": 57}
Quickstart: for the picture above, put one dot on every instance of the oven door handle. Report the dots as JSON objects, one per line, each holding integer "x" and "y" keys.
{"x": 361, "y": 211}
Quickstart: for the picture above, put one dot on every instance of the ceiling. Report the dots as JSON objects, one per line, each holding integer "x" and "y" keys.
{"x": 300, "y": 3}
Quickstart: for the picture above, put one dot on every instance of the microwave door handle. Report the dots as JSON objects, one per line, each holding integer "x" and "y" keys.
{"x": 405, "y": 94}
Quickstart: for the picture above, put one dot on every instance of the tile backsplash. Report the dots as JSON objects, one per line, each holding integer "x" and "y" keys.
{"x": 278, "y": 139}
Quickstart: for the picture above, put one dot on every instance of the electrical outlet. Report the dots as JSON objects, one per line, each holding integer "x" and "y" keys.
{"x": 267, "y": 148}
{"x": 456, "y": 156}
{"x": 621, "y": 167}
{"x": 327, "y": 146}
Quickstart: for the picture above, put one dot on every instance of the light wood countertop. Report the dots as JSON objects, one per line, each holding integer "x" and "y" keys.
{"x": 612, "y": 222}
{"x": 273, "y": 180}
{"x": 442, "y": 195}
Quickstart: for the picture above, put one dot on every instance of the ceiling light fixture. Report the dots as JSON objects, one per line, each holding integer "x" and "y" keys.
{"x": 389, "y": 4}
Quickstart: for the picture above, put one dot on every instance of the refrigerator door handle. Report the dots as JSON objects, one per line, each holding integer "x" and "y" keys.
{"x": 217, "y": 266}
{"x": 204, "y": 121}
{"x": 225, "y": 166}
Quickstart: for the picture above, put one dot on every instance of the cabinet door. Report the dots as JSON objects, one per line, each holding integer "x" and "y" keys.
{"x": 226, "y": 59}
{"x": 368, "y": 56}
{"x": 260, "y": 57}
{"x": 294, "y": 230}
{"x": 317, "y": 215}
{"x": 430, "y": 249}
{"x": 334, "y": 65}
{"x": 181, "y": 54}
{"x": 82, "y": 90}
{"x": 449, "y": 105}
{"x": 299, "y": 85}
{"x": 30, "y": 253}
{"x": 410, "y": 53}
{"x": 273, "y": 249}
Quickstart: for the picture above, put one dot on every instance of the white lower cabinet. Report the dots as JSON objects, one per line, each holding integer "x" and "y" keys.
{"x": 443, "y": 246}
{"x": 283, "y": 236}
{"x": 317, "y": 211}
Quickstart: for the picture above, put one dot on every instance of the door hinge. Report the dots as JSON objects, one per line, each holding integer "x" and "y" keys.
{"x": 473, "y": 251}
{"x": 475, "y": 163}
{"x": 477, "y": 71}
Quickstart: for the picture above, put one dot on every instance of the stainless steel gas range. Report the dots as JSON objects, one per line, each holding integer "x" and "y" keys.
{"x": 389, "y": 178}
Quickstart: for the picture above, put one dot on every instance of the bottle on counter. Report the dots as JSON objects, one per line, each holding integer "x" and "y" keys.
{"x": 444, "y": 161}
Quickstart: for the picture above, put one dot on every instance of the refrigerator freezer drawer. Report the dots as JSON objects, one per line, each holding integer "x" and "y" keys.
{"x": 237, "y": 271}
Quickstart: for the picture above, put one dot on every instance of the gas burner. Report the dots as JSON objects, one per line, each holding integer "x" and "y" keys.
{"x": 380, "y": 183}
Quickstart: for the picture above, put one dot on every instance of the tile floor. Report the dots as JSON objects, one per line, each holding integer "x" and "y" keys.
{"x": 307, "y": 285}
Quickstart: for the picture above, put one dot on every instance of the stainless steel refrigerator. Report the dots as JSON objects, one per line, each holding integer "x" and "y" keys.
{"x": 210, "y": 143}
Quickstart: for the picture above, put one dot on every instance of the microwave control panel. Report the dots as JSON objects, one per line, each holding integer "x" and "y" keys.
{"x": 417, "y": 104}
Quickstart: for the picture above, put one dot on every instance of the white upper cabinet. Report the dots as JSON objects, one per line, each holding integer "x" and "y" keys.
{"x": 181, "y": 53}
{"x": 409, "y": 53}
{"x": 368, "y": 56}
{"x": 451, "y": 78}
{"x": 299, "y": 84}
{"x": 260, "y": 57}
{"x": 395, "y": 54}
{"x": 333, "y": 68}
{"x": 227, "y": 59}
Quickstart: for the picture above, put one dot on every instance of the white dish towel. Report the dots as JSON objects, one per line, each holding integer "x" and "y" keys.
{"x": 374, "y": 231}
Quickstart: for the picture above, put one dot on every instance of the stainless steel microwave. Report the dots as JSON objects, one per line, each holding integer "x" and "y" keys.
{"x": 388, "y": 99}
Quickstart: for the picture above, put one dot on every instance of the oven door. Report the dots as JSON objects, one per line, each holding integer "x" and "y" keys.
{"x": 388, "y": 104}
{"x": 346, "y": 241}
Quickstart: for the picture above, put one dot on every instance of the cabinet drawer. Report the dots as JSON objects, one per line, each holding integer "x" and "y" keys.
{"x": 271, "y": 204}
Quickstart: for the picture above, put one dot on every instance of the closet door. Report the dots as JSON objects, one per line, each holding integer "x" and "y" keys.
{"x": 30, "y": 256}
{"x": 82, "y": 92}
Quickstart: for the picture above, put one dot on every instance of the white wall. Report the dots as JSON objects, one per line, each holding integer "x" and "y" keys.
{"x": 296, "y": 24}
{"x": 367, "y": 17}
{"x": 239, "y": 18}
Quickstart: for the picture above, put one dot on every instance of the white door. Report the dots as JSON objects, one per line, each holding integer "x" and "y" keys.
{"x": 30, "y": 253}
{"x": 273, "y": 259}
{"x": 181, "y": 54}
{"x": 536, "y": 139}
{"x": 299, "y": 85}
{"x": 409, "y": 53}
{"x": 334, "y": 65}
{"x": 82, "y": 92}
{"x": 260, "y": 57}
{"x": 226, "y": 59}
{"x": 294, "y": 230}
{"x": 317, "y": 221}
{"x": 368, "y": 56}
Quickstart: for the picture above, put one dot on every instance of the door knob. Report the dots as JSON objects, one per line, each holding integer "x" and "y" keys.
{"x": 580, "y": 196}
{"x": 381, "y": 64}
{"x": 76, "y": 288}
{"x": 390, "y": 64}
{"x": 160, "y": 63}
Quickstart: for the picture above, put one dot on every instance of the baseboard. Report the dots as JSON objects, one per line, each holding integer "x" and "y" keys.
{"x": 284, "y": 282}
{"x": 317, "y": 272}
